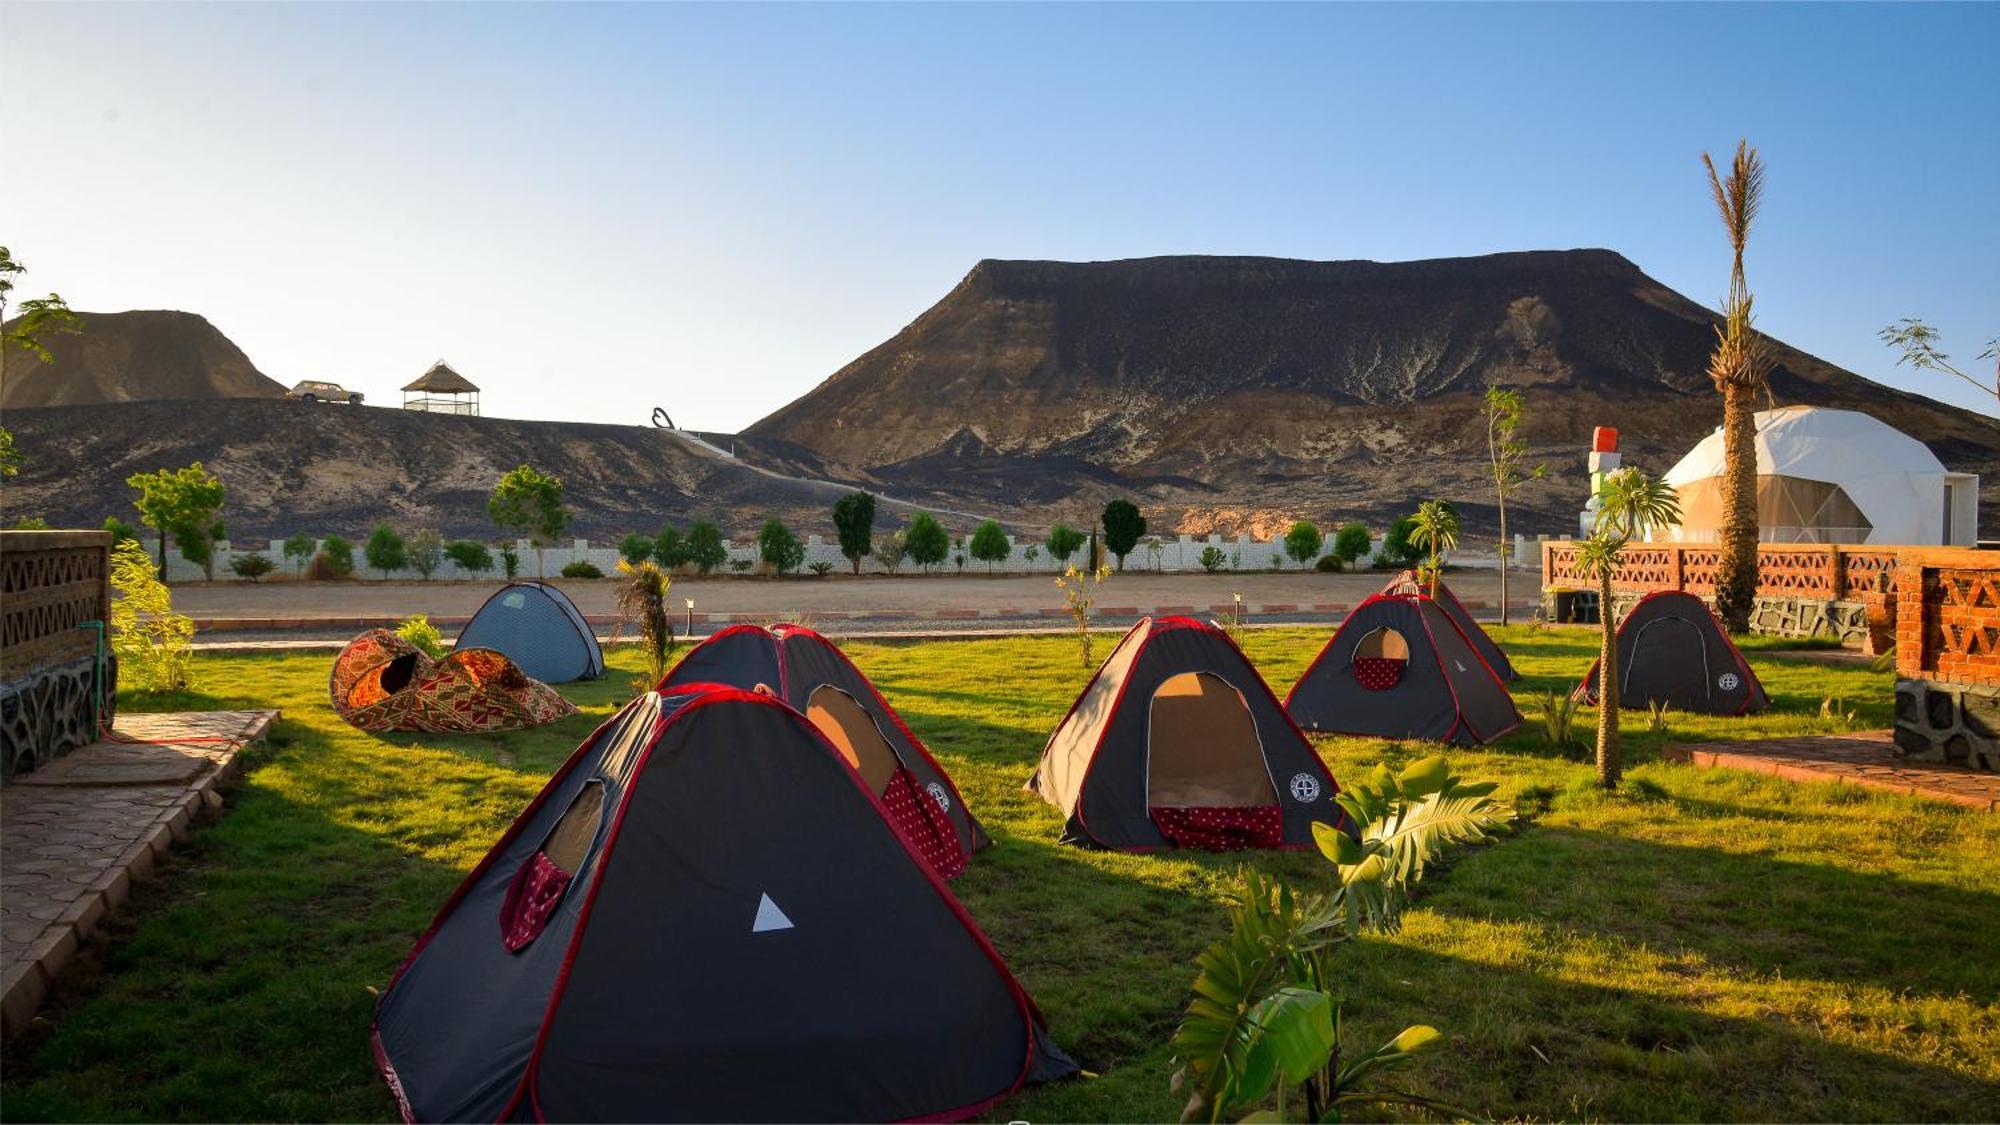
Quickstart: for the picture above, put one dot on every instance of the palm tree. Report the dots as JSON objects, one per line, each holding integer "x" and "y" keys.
{"x": 1739, "y": 368}
{"x": 1436, "y": 531}
{"x": 1630, "y": 503}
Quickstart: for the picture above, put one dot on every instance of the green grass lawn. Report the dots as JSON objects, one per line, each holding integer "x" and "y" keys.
{"x": 1705, "y": 944}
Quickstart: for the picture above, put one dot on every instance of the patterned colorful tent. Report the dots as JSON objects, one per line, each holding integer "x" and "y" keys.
{"x": 382, "y": 682}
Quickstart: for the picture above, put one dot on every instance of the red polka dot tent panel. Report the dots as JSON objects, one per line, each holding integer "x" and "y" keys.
{"x": 1221, "y": 829}
{"x": 923, "y": 820}
{"x": 1378, "y": 673}
{"x": 531, "y": 898}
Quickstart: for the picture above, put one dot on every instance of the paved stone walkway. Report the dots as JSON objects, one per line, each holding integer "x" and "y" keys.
{"x": 1866, "y": 758}
{"x": 74, "y": 834}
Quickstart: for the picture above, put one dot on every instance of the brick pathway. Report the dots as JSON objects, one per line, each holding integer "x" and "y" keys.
{"x": 1865, "y": 758}
{"x": 74, "y": 834}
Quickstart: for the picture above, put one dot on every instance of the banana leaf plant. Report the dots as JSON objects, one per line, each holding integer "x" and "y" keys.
{"x": 1402, "y": 821}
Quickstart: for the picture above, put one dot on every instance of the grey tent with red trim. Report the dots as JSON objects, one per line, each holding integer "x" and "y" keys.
{"x": 705, "y": 916}
{"x": 1407, "y": 582}
{"x": 1178, "y": 742}
{"x": 1399, "y": 667}
{"x": 812, "y": 675}
{"x": 1672, "y": 651}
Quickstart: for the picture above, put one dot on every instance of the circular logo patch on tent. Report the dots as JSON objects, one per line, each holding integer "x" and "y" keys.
{"x": 1305, "y": 788}
{"x": 1728, "y": 681}
{"x": 938, "y": 794}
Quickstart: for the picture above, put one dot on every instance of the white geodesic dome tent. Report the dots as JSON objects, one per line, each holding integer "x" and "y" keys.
{"x": 1831, "y": 476}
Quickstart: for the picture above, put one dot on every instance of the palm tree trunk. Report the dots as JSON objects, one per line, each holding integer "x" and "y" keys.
{"x": 1736, "y": 578}
{"x": 1609, "y": 766}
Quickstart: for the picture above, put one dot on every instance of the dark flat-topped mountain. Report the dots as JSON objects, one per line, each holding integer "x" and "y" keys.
{"x": 1218, "y": 387}
{"x": 134, "y": 357}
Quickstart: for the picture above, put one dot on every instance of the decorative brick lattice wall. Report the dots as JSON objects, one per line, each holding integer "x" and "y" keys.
{"x": 1947, "y": 623}
{"x": 51, "y": 583}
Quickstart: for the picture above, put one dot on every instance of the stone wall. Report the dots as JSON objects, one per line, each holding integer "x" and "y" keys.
{"x": 1947, "y": 628}
{"x": 54, "y": 597}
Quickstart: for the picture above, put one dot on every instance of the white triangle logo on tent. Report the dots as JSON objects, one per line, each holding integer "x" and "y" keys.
{"x": 769, "y": 917}
{"x": 1461, "y": 667}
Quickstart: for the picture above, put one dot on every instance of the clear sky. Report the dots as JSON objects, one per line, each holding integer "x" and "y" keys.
{"x": 593, "y": 210}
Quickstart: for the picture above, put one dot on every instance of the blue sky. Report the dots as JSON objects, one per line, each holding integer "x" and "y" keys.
{"x": 592, "y": 210}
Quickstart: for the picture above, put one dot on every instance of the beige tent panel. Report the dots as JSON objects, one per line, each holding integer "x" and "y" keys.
{"x": 1066, "y": 758}
{"x": 853, "y": 732}
{"x": 570, "y": 841}
{"x": 1382, "y": 644}
{"x": 1202, "y": 747}
{"x": 1789, "y": 510}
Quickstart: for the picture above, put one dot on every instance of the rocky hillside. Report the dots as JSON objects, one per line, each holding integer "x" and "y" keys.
{"x": 1236, "y": 391}
{"x": 292, "y": 466}
{"x": 133, "y": 357}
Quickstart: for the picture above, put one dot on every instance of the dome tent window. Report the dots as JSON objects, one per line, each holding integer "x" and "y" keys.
{"x": 1380, "y": 658}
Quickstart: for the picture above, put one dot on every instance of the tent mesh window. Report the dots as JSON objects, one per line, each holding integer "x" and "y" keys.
{"x": 1789, "y": 510}
{"x": 1206, "y": 781}
{"x": 543, "y": 880}
{"x": 853, "y": 732}
{"x": 1380, "y": 659}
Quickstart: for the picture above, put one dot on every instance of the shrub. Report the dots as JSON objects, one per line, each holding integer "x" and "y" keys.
{"x": 990, "y": 545}
{"x": 154, "y": 645}
{"x": 31, "y": 523}
{"x": 419, "y": 631}
{"x": 642, "y": 598}
{"x": 1063, "y": 542}
{"x": 1397, "y": 549}
{"x": 1303, "y": 542}
{"x": 891, "y": 550}
{"x": 958, "y": 553}
{"x": 636, "y": 548}
{"x": 821, "y": 568}
{"x": 1350, "y": 543}
{"x": 1212, "y": 559}
{"x": 670, "y": 548}
{"x": 299, "y": 551}
{"x": 385, "y": 550}
{"x": 120, "y": 530}
{"x": 704, "y": 547}
{"x": 510, "y": 561}
{"x": 854, "y": 518}
{"x": 1123, "y": 525}
{"x": 581, "y": 568}
{"x": 1329, "y": 564}
{"x": 777, "y": 546}
{"x": 471, "y": 557}
{"x": 334, "y": 560}
{"x": 1079, "y": 589}
{"x": 426, "y": 551}
{"x": 251, "y": 566}
{"x": 741, "y": 566}
{"x": 1559, "y": 721}
{"x": 926, "y": 541}
{"x": 1031, "y": 552}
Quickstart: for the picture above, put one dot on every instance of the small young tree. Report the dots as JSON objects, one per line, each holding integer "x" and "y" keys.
{"x": 510, "y": 561}
{"x": 958, "y": 552}
{"x": 777, "y": 546}
{"x": 1436, "y": 531}
{"x": 120, "y": 530}
{"x": 184, "y": 504}
{"x": 670, "y": 548}
{"x": 1079, "y": 589}
{"x": 426, "y": 551}
{"x": 472, "y": 558}
{"x": 891, "y": 550}
{"x": 1350, "y": 543}
{"x": 704, "y": 546}
{"x": 642, "y": 601}
{"x": 339, "y": 555}
{"x": 1123, "y": 526}
{"x": 1212, "y": 558}
{"x": 1630, "y": 503}
{"x": 251, "y": 566}
{"x": 1397, "y": 548}
{"x": 385, "y": 550}
{"x": 1919, "y": 344}
{"x": 529, "y": 501}
{"x": 927, "y": 541}
{"x": 1303, "y": 541}
{"x": 1063, "y": 542}
{"x": 1031, "y": 552}
{"x": 299, "y": 551}
{"x": 990, "y": 545}
{"x": 154, "y": 645}
{"x": 854, "y": 518}
{"x": 1507, "y": 454}
{"x": 635, "y": 548}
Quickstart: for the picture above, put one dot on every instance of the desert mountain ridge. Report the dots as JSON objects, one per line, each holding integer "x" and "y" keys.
{"x": 135, "y": 356}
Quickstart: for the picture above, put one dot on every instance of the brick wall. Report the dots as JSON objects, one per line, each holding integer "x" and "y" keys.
{"x": 1948, "y": 615}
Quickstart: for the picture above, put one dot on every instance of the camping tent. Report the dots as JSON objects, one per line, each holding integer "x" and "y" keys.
{"x": 703, "y": 916}
{"x": 1407, "y": 582}
{"x": 1178, "y": 742}
{"x": 1672, "y": 651}
{"x": 814, "y": 677}
{"x": 1399, "y": 667}
{"x": 381, "y": 682}
{"x": 1830, "y": 476}
{"x": 540, "y": 629}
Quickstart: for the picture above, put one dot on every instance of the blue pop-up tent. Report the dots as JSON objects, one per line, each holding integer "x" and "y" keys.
{"x": 537, "y": 627}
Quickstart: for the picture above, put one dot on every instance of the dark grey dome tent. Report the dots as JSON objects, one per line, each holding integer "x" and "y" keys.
{"x": 537, "y": 627}
{"x": 1407, "y": 582}
{"x": 1672, "y": 651}
{"x": 815, "y": 678}
{"x": 1399, "y": 667}
{"x": 704, "y": 916}
{"x": 1178, "y": 742}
